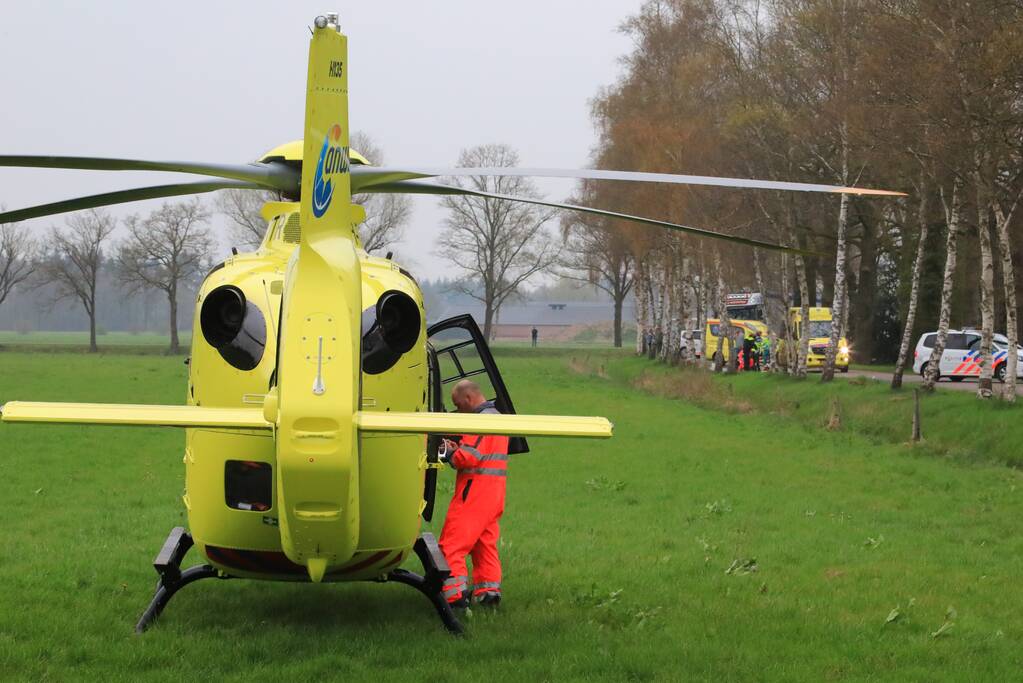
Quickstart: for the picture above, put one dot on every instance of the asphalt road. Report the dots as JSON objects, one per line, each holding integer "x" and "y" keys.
{"x": 910, "y": 378}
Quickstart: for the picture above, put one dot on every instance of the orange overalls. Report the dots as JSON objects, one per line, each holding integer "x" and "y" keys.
{"x": 471, "y": 526}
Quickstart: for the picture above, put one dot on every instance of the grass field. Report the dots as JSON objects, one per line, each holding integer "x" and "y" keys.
{"x": 705, "y": 541}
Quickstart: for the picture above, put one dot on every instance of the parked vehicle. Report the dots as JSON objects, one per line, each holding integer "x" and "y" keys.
{"x": 962, "y": 357}
{"x": 820, "y": 336}
{"x": 713, "y": 342}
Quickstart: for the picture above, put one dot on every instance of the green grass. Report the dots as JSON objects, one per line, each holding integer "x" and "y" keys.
{"x": 878, "y": 367}
{"x": 616, "y": 553}
{"x": 82, "y": 338}
{"x": 954, "y": 424}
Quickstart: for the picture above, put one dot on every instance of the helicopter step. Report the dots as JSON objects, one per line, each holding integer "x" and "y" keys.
{"x": 431, "y": 584}
{"x": 168, "y": 565}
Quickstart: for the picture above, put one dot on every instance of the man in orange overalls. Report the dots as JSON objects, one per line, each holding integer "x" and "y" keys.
{"x": 471, "y": 527}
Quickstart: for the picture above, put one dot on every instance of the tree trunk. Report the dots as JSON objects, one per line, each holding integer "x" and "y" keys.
{"x": 1009, "y": 283}
{"x": 863, "y": 301}
{"x": 799, "y": 367}
{"x": 172, "y": 297}
{"x": 725, "y": 323}
{"x": 619, "y": 299}
{"x": 945, "y": 312}
{"x": 92, "y": 328}
{"x": 914, "y": 288}
{"x": 838, "y": 311}
{"x": 758, "y": 276}
{"x": 641, "y": 294}
{"x": 488, "y": 319}
{"x": 987, "y": 291}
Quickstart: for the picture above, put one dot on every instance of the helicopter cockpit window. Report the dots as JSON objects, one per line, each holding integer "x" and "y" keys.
{"x": 248, "y": 485}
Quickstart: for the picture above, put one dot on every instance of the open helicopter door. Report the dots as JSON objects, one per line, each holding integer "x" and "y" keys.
{"x": 458, "y": 351}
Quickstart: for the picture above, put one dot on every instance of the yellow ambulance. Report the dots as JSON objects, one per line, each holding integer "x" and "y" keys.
{"x": 820, "y": 334}
{"x": 712, "y": 336}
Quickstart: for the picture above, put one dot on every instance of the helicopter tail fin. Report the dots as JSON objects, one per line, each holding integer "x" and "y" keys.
{"x": 481, "y": 423}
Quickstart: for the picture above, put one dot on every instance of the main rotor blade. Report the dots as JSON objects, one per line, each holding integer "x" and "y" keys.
{"x": 123, "y": 197}
{"x": 271, "y": 175}
{"x": 364, "y": 177}
{"x": 420, "y": 187}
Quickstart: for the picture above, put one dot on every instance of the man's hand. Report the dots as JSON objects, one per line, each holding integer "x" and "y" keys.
{"x": 446, "y": 451}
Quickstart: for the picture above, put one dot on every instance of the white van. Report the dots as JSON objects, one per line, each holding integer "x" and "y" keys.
{"x": 692, "y": 342}
{"x": 962, "y": 355}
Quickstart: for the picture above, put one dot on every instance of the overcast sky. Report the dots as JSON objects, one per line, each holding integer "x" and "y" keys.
{"x": 224, "y": 81}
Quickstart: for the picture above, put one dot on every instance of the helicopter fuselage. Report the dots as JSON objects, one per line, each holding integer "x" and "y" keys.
{"x": 230, "y": 475}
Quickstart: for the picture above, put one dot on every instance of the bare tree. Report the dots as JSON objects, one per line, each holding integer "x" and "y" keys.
{"x": 498, "y": 244}
{"x": 243, "y": 208}
{"x": 74, "y": 260}
{"x": 599, "y": 255}
{"x": 167, "y": 248}
{"x": 386, "y": 214}
{"x": 18, "y": 250}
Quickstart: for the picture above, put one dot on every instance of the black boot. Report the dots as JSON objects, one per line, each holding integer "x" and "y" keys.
{"x": 491, "y": 600}
{"x": 462, "y": 603}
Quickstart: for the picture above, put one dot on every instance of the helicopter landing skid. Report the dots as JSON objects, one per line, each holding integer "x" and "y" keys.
{"x": 168, "y": 565}
{"x": 436, "y": 571}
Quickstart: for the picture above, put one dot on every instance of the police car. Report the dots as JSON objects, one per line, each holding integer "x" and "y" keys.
{"x": 962, "y": 357}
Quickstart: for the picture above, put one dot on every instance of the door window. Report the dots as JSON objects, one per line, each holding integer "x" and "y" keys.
{"x": 459, "y": 352}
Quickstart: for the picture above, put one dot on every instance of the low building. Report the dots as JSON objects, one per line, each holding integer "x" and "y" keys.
{"x": 554, "y": 320}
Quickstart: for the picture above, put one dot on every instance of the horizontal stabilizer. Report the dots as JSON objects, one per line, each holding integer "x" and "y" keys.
{"x": 136, "y": 415}
{"x": 252, "y": 418}
{"x": 482, "y": 423}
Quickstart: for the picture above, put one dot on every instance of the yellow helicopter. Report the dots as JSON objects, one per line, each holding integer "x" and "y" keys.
{"x": 315, "y": 396}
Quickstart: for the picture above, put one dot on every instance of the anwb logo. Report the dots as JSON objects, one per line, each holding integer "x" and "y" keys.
{"x": 333, "y": 159}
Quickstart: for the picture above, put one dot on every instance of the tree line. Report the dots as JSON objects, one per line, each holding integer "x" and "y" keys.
{"x": 922, "y": 96}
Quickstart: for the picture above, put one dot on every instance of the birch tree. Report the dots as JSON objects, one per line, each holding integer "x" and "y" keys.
{"x": 923, "y": 225}
{"x": 1003, "y": 219}
{"x": 952, "y": 217}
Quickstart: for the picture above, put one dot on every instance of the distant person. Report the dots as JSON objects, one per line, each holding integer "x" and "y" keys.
{"x": 748, "y": 342}
{"x": 534, "y": 334}
{"x": 471, "y": 526}
{"x": 758, "y": 347}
